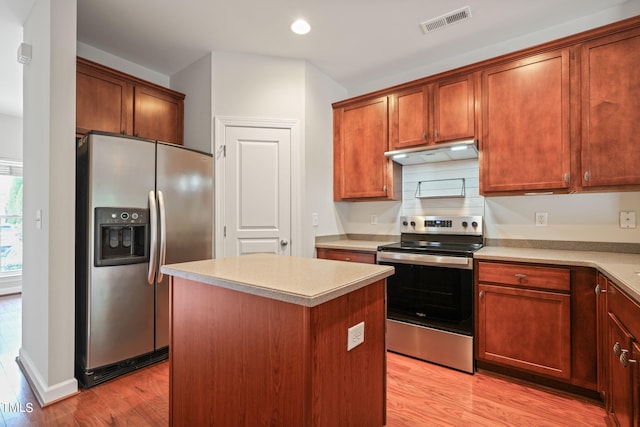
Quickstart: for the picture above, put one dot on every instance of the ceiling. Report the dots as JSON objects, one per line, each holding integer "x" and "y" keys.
{"x": 351, "y": 41}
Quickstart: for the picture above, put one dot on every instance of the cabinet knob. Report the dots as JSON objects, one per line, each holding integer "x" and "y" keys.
{"x": 284, "y": 242}
{"x": 520, "y": 277}
{"x": 598, "y": 290}
{"x": 587, "y": 175}
{"x": 481, "y": 295}
{"x": 625, "y": 360}
{"x": 617, "y": 349}
{"x": 424, "y": 135}
{"x": 566, "y": 178}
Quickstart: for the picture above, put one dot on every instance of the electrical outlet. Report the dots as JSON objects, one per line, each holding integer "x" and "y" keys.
{"x": 627, "y": 219}
{"x": 374, "y": 219}
{"x": 314, "y": 219}
{"x": 355, "y": 336}
{"x": 542, "y": 219}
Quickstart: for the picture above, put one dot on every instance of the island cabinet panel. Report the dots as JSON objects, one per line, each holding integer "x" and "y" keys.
{"x": 360, "y": 139}
{"x": 347, "y": 255}
{"x": 526, "y": 127}
{"x": 611, "y": 110}
{"x": 621, "y": 354}
{"x": 238, "y": 359}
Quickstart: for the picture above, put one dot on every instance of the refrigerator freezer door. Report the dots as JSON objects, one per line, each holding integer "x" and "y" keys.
{"x": 120, "y": 314}
{"x": 185, "y": 179}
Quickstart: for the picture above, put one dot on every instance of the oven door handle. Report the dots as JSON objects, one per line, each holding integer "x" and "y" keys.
{"x": 462, "y": 263}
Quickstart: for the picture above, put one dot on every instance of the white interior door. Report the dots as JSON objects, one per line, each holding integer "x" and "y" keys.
{"x": 257, "y": 190}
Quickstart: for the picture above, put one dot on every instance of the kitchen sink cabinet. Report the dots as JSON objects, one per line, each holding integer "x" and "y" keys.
{"x": 360, "y": 138}
{"x": 538, "y": 320}
{"x": 111, "y": 101}
{"x": 526, "y": 127}
{"x": 611, "y": 110}
{"x": 441, "y": 111}
{"x": 346, "y": 255}
{"x": 622, "y": 356}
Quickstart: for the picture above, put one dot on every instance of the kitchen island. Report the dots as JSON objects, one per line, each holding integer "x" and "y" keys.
{"x": 262, "y": 339}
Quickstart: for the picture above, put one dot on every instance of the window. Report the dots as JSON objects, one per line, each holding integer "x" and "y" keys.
{"x": 10, "y": 218}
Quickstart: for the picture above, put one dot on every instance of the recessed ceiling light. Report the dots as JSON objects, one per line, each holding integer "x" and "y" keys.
{"x": 300, "y": 26}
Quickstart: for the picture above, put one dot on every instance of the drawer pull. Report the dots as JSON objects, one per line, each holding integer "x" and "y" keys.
{"x": 347, "y": 259}
{"x": 520, "y": 277}
{"x": 599, "y": 290}
{"x": 624, "y": 359}
{"x": 617, "y": 349}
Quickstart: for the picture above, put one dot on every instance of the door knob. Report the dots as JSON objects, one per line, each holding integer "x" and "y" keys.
{"x": 284, "y": 242}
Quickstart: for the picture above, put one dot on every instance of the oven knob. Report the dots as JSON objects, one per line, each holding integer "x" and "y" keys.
{"x": 405, "y": 223}
{"x": 474, "y": 224}
{"x": 413, "y": 223}
{"x": 465, "y": 223}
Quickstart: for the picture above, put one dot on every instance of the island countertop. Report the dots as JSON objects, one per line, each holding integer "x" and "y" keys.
{"x": 303, "y": 281}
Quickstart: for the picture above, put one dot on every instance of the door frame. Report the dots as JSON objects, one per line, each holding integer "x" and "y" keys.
{"x": 220, "y": 124}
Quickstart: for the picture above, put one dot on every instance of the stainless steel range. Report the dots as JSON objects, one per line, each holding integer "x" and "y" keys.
{"x": 430, "y": 297}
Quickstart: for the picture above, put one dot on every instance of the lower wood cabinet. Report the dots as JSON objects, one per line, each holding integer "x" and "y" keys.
{"x": 622, "y": 356}
{"x": 347, "y": 255}
{"x": 538, "y": 320}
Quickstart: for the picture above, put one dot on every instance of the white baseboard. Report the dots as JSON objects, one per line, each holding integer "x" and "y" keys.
{"x": 45, "y": 394}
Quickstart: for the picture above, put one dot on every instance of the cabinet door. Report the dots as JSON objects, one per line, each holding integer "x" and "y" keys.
{"x": 525, "y": 329}
{"x": 525, "y": 119}
{"x": 102, "y": 102}
{"x": 620, "y": 402}
{"x": 158, "y": 115}
{"x": 409, "y": 118}
{"x": 611, "y": 110}
{"x": 454, "y": 109}
{"x": 361, "y": 171}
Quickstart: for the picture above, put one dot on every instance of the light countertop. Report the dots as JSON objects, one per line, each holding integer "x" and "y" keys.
{"x": 354, "y": 245}
{"x": 303, "y": 281}
{"x": 622, "y": 269}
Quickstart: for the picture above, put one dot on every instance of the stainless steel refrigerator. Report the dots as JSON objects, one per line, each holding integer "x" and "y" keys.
{"x": 139, "y": 204}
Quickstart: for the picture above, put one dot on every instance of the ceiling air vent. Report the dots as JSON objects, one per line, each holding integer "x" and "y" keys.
{"x": 446, "y": 19}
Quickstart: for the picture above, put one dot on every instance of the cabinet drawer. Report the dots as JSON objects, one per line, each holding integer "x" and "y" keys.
{"x": 344, "y": 255}
{"x": 625, "y": 309}
{"x": 525, "y": 275}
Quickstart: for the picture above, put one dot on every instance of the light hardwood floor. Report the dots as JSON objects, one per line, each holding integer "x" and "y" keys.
{"x": 419, "y": 394}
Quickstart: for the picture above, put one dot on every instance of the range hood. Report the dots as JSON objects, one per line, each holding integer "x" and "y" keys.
{"x": 458, "y": 150}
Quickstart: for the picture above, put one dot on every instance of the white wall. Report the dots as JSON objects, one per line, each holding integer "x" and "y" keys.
{"x": 572, "y": 217}
{"x": 195, "y": 82}
{"x": 105, "y": 58}
{"x": 11, "y": 131}
{"x": 321, "y": 91}
{"x": 47, "y": 351}
{"x": 433, "y": 66}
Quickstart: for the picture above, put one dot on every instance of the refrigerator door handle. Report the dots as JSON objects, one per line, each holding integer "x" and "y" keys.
{"x": 163, "y": 233}
{"x": 153, "y": 241}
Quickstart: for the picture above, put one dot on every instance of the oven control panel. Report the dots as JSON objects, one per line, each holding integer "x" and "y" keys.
{"x": 442, "y": 224}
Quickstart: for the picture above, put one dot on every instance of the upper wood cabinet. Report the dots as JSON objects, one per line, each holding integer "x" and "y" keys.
{"x": 611, "y": 110}
{"x": 525, "y": 117}
{"x": 360, "y": 138}
{"x": 110, "y": 101}
{"x": 437, "y": 112}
